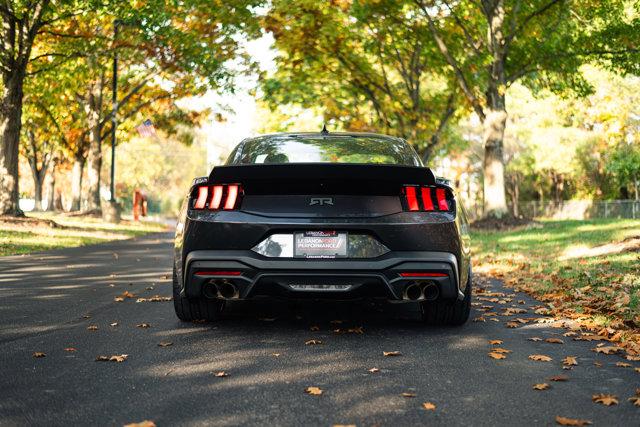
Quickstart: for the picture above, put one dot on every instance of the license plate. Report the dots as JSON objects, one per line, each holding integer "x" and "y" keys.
{"x": 320, "y": 244}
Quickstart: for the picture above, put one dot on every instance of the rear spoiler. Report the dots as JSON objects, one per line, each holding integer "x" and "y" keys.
{"x": 296, "y": 172}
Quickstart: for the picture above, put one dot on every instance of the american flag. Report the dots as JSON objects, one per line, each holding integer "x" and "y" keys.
{"x": 146, "y": 129}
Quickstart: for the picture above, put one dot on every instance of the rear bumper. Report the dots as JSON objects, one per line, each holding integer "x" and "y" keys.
{"x": 379, "y": 277}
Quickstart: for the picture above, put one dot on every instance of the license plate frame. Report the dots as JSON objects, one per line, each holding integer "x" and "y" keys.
{"x": 320, "y": 244}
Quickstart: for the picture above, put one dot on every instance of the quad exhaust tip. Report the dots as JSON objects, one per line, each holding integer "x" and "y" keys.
{"x": 426, "y": 290}
{"x": 221, "y": 288}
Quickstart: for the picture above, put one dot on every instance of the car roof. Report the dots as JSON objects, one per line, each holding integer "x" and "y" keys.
{"x": 302, "y": 135}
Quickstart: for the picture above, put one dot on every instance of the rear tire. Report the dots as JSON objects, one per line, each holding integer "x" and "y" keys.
{"x": 190, "y": 309}
{"x": 446, "y": 312}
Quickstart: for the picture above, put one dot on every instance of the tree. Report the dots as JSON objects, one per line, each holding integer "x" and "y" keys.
{"x": 22, "y": 22}
{"x": 490, "y": 44}
{"x": 365, "y": 69}
{"x": 189, "y": 39}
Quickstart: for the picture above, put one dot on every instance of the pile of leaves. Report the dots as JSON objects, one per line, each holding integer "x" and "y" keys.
{"x": 582, "y": 270}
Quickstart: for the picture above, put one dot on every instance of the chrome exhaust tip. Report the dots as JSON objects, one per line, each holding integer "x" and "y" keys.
{"x": 430, "y": 291}
{"x": 412, "y": 292}
{"x": 226, "y": 289}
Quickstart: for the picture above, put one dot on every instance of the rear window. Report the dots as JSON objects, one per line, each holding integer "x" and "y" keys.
{"x": 325, "y": 149}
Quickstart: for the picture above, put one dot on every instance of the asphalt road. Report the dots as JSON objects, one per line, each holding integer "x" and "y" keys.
{"x": 48, "y": 301}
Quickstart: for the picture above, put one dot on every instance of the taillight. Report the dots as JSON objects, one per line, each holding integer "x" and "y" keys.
{"x": 220, "y": 196}
{"x": 417, "y": 198}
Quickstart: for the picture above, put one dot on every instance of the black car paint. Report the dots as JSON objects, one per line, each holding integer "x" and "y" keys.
{"x": 235, "y": 232}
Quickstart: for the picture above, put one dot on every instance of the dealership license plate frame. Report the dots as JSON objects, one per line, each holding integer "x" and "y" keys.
{"x": 338, "y": 244}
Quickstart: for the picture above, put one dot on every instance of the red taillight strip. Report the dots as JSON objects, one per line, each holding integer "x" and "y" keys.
{"x": 426, "y": 198}
{"x": 218, "y": 273}
{"x": 442, "y": 199}
{"x": 412, "y": 200}
{"x": 232, "y": 196}
{"x": 202, "y": 197}
{"x": 216, "y": 197}
{"x": 423, "y": 274}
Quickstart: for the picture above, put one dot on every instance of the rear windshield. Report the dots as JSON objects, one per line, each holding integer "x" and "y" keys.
{"x": 327, "y": 149}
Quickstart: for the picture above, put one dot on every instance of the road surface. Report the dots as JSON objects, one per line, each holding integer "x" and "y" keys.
{"x": 63, "y": 304}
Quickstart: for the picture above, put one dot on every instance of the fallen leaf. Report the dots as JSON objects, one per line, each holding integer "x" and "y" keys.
{"x": 597, "y": 364}
{"x": 554, "y": 341}
{"x": 391, "y": 353}
{"x": 69, "y": 349}
{"x": 429, "y": 406}
{"x": 316, "y": 391}
{"x": 563, "y": 421}
{"x": 479, "y": 319}
{"x": 118, "y": 299}
{"x": 335, "y": 322}
{"x": 115, "y": 358}
{"x": 275, "y": 354}
{"x": 535, "y": 339}
{"x": 635, "y": 400}
{"x": 92, "y": 328}
{"x": 570, "y": 361}
{"x": 607, "y": 350}
{"x": 495, "y": 342}
{"x": 313, "y": 342}
{"x": 624, "y": 365}
{"x": 512, "y": 324}
{"x": 559, "y": 378}
{"x": 605, "y": 399}
{"x": 143, "y": 325}
{"x": 408, "y": 394}
{"x": 500, "y": 350}
{"x": 374, "y": 370}
{"x": 356, "y": 330}
{"x": 540, "y": 358}
{"x": 114, "y": 324}
{"x": 541, "y": 386}
{"x": 164, "y": 344}
{"x": 497, "y": 355}
{"x": 315, "y": 328}
{"x": 39, "y": 354}
{"x": 145, "y": 423}
{"x": 220, "y": 374}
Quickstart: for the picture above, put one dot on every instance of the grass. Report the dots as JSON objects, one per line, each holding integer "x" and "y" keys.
{"x": 26, "y": 238}
{"x": 589, "y": 268}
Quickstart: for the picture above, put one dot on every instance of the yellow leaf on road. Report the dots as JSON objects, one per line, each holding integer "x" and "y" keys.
{"x": 605, "y": 399}
{"x": 391, "y": 353}
{"x": 316, "y": 391}
{"x": 429, "y": 406}
{"x": 570, "y": 361}
{"x": 540, "y": 358}
{"x": 541, "y": 386}
{"x": 497, "y": 355}
{"x": 39, "y": 354}
{"x": 563, "y": 421}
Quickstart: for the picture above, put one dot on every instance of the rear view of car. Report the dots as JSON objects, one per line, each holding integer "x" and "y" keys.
{"x": 324, "y": 216}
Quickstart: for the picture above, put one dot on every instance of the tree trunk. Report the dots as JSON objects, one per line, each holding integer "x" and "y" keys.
{"x": 51, "y": 186}
{"x": 495, "y": 200}
{"x": 95, "y": 151}
{"x": 10, "y": 124}
{"x": 76, "y": 181}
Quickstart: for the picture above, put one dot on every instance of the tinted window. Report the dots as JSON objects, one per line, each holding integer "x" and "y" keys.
{"x": 327, "y": 149}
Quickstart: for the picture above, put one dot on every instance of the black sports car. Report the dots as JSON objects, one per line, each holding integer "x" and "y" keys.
{"x": 323, "y": 215}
